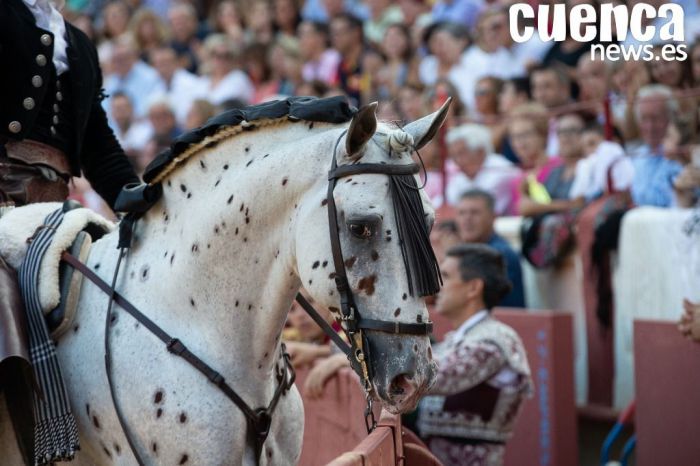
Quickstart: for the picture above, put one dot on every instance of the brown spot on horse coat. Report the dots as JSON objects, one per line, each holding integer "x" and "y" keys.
{"x": 397, "y": 312}
{"x": 154, "y": 447}
{"x": 375, "y": 255}
{"x": 158, "y": 397}
{"x": 96, "y": 422}
{"x": 117, "y": 448}
{"x": 349, "y": 262}
{"x": 159, "y": 413}
{"x": 230, "y": 199}
{"x": 366, "y": 284}
{"x": 315, "y": 265}
{"x": 183, "y": 458}
{"x": 183, "y": 417}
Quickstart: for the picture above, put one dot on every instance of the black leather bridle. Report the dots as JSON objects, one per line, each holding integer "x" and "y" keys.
{"x": 352, "y": 321}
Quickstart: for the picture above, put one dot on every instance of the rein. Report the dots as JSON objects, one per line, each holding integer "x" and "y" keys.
{"x": 259, "y": 420}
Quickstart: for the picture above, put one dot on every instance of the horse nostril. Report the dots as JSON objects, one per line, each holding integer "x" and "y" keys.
{"x": 402, "y": 384}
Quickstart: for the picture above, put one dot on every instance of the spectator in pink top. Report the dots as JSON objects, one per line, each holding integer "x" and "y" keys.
{"x": 528, "y": 129}
{"x": 320, "y": 61}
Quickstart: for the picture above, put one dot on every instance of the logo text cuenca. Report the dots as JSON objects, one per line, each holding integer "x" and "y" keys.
{"x": 587, "y": 24}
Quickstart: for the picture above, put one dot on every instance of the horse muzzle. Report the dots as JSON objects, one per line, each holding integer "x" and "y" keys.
{"x": 402, "y": 369}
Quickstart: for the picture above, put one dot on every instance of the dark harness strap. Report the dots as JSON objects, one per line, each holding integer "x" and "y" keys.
{"x": 258, "y": 419}
{"x": 372, "y": 169}
{"x": 327, "y": 329}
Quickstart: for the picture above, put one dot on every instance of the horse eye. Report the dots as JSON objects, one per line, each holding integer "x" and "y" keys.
{"x": 360, "y": 231}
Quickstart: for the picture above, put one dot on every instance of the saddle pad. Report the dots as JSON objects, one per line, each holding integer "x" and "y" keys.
{"x": 19, "y": 224}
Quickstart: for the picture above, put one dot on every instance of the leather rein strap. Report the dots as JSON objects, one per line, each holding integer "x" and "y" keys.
{"x": 259, "y": 419}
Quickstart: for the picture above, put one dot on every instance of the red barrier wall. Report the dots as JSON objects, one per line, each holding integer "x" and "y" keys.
{"x": 545, "y": 432}
{"x": 334, "y": 423}
{"x": 667, "y": 381}
{"x": 388, "y": 445}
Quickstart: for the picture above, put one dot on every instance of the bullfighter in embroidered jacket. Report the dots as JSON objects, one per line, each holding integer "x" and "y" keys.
{"x": 483, "y": 374}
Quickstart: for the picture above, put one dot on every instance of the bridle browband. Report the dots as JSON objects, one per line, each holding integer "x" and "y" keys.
{"x": 352, "y": 321}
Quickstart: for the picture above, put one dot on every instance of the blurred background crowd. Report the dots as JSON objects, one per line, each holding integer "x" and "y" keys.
{"x": 520, "y": 109}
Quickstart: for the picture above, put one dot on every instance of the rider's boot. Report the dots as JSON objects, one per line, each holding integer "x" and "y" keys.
{"x": 16, "y": 377}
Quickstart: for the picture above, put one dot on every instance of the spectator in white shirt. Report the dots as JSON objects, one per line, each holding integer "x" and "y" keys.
{"x": 225, "y": 81}
{"x": 130, "y": 76}
{"x": 486, "y": 57}
{"x": 132, "y": 136}
{"x": 470, "y": 149}
{"x": 604, "y": 168}
{"x": 446, "y": 43}
{"x": 178, "y": 85}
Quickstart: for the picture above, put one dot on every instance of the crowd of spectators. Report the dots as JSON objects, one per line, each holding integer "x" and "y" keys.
{"x": 169, "y": 65}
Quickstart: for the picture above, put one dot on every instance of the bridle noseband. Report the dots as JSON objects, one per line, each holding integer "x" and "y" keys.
{"x": 353, "y": 322}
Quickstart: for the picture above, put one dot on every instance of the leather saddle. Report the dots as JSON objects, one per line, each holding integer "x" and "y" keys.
{"x": 70, "y": 282}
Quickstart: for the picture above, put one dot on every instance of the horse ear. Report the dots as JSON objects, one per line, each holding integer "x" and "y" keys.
{"x": 424, "y": 130}
{"x": 361, "y": 130}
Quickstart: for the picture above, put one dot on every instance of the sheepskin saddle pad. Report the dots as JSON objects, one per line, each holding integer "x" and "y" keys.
{"x": 58, "y": 284}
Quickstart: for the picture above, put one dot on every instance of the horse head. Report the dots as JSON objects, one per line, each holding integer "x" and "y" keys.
{"x": 383, "y": 219}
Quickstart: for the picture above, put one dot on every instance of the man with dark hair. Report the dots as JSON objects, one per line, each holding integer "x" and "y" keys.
{"x": 551, "y": 87}
{"x": 347, "y": 38}
{"x": 483, "y": 374}
{"x": 475, "y": 218}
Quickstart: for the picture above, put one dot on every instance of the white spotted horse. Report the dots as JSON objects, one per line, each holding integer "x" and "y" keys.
{"x": 254, "y": 204}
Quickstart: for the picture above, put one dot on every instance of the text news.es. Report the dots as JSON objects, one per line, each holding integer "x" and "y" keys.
{"x": 650, "y": 28}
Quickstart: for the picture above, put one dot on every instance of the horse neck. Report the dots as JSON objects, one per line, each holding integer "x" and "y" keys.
{"x": 219, "y": 246}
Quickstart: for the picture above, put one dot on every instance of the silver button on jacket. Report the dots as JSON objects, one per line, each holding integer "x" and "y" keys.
{"x": 41, "y": 60}
{"x": 59, "y": 96}
{"x": 37, "y": 81}
{"x": 46, "y": 39}
{"x": 15, "y": 127}
{"x": 28, "y": 103}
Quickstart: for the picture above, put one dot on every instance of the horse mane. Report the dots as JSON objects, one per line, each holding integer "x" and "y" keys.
{"x": 233, "y": 122}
